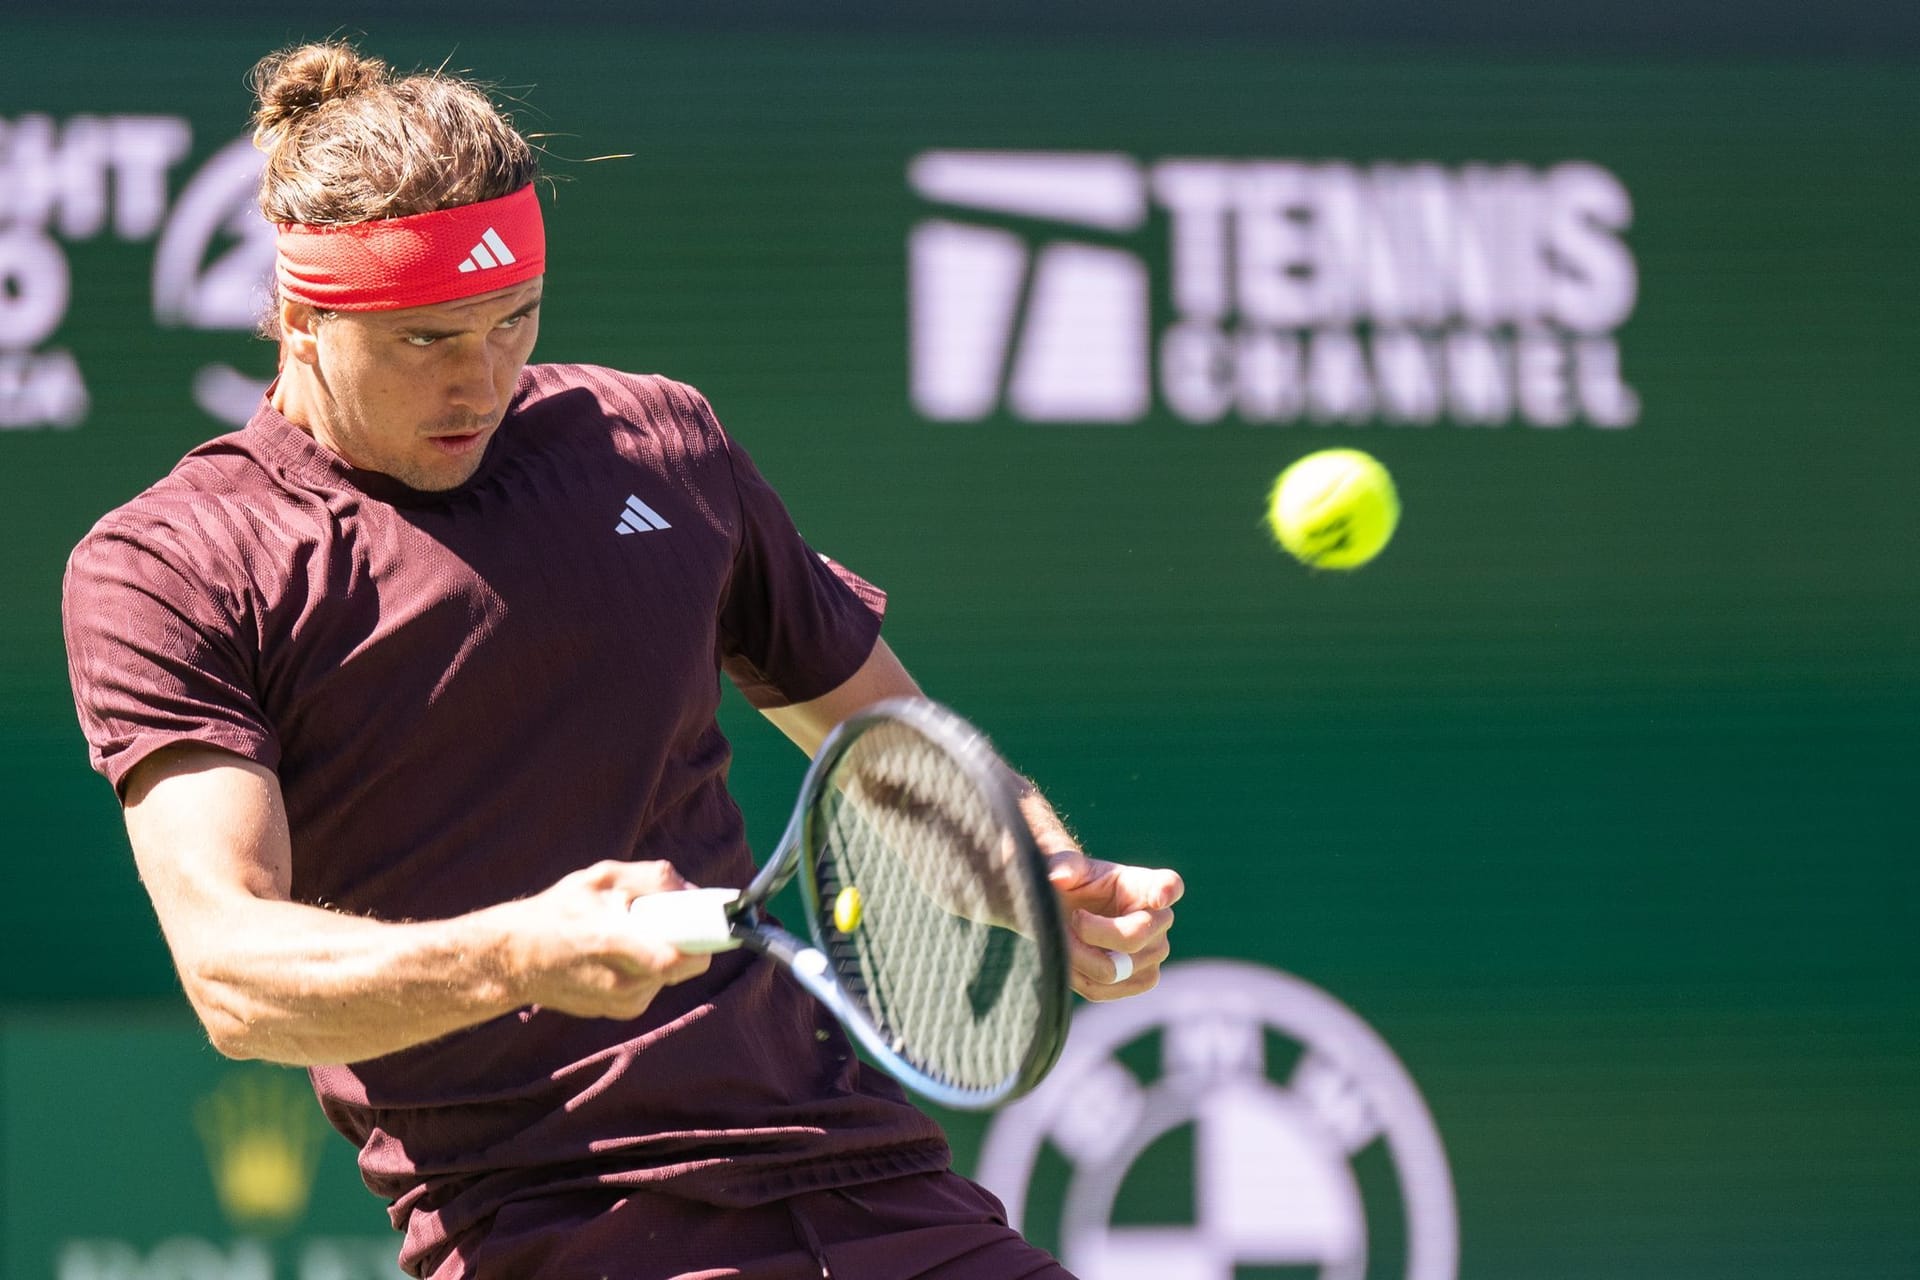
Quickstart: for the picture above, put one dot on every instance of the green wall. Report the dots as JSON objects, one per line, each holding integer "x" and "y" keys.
{"x": 1584, "y": 796}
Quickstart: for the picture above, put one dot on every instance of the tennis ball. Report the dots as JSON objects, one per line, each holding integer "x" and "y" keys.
{"x": 846, "y": 909}
{"x": 1334, "y": 509}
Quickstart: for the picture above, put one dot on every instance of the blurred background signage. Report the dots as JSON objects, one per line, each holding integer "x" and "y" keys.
{"x": 1551, "y": 880}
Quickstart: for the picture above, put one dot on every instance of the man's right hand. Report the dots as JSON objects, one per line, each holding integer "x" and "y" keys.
{"x": 577, "y": 951}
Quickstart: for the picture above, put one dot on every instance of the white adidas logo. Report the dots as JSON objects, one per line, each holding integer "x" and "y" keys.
{"x": 491, "y": 252}
{"x": 639, "y": 518}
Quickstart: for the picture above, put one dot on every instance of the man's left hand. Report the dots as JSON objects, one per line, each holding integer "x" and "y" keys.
{"x": 1117, "y": 918}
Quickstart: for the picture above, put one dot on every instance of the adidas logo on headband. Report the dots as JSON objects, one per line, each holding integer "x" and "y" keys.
{"x": 491, "y": 252}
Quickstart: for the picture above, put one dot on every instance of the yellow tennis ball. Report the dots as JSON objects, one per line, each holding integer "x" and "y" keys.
{"x": 1334, "y": 509}
{"x": 846, "y": 909}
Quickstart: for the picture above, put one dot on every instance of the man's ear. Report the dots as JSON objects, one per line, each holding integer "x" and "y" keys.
{"x": 297, "y": 323}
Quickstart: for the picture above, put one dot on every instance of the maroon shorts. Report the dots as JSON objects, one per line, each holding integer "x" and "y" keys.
{"x": 935, "y": 1225}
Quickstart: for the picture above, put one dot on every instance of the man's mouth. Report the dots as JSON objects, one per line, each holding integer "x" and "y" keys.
{"x": 457, "y": 443}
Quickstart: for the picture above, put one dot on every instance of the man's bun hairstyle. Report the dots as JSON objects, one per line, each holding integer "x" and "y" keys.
{"x": 347, "y": 140}
{"x": 297, "y": 80}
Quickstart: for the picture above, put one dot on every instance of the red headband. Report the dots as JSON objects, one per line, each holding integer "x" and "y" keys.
{"x": 413, "y": 261}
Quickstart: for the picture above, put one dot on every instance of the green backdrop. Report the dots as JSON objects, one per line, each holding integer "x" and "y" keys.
{"x": 1585, "y": 795}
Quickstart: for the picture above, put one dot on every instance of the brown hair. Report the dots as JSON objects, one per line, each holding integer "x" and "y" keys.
{"x": 349, "y": 141}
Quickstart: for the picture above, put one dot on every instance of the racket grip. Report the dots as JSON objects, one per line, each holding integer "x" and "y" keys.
{"x": 693, "y": 920}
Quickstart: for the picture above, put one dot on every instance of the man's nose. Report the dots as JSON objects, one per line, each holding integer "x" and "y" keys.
{"x": 473, "y": 389}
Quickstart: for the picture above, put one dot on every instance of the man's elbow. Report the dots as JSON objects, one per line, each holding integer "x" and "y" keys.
{"x": 230, "y": 1029}
{"x": 230, "y": 1040}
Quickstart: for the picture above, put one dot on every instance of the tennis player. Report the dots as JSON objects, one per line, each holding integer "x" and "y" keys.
{"x": 409, "y": 689}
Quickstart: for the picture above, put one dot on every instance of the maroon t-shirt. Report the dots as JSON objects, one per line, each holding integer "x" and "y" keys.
{"x": 465, "y": 696}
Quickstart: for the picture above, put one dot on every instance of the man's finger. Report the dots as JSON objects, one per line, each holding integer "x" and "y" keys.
{"x": 1099, "y": 976}
{"x": 1151, "y": 886}
{"x": 1129, "y": 932}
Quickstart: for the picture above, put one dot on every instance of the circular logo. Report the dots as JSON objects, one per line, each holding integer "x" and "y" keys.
{"x": 1234, "y": 1120}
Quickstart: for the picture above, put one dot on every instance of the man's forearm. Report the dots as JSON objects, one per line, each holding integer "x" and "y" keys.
{"x": 301, "y": 985}
{"x": 276, "y": 979}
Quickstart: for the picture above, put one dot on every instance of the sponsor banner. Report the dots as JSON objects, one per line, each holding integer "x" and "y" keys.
{"x": 1406, "y": 293}
{"x": 1235, "y": 1121}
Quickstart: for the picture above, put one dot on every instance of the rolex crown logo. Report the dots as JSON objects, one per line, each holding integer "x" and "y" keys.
{"x": 262, "y": 1135}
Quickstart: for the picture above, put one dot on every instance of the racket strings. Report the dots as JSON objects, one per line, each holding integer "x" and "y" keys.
{"x": 942, "y": 955}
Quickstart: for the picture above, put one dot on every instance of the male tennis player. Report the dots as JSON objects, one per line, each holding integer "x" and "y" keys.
{"x": 408, "y": 689}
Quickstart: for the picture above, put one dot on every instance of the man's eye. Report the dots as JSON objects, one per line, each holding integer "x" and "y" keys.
{"x": 512, "y": 322}
{"x": 421, "y": 342}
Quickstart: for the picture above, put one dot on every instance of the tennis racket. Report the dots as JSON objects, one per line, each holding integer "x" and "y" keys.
{"x": 935, "y": 937}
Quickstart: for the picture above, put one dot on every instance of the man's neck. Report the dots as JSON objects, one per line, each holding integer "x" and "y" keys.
{"x": 299, "y": 398}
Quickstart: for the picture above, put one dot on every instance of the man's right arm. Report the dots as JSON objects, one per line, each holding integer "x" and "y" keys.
{"x": 303, "y": 985}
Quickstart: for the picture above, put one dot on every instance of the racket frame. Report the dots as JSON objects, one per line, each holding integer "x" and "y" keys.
{"x": 807, "y": 960}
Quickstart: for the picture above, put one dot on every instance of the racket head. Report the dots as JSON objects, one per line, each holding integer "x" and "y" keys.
{"x": 951, "y": 961}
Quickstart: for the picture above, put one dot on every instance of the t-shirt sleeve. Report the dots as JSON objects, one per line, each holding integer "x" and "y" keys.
{"x": 157, "y": 653}
{"x": 794, "y": 624}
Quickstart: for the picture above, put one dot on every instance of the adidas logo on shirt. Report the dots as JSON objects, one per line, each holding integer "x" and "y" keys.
{"x": 491, "y": 252}
{"x": 638, "y": 517}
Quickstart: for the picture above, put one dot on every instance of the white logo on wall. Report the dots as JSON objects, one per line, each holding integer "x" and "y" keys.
{"x": 66, "y": 182}
{"x": 1306, "y": 1136}
{"x": 212, "y": 267}
{"x": 1403, "y": 293}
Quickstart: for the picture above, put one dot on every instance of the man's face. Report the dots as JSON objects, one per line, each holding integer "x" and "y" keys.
{"x": 416, "y": 394}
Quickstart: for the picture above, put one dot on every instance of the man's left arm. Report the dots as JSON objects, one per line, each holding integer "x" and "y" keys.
{"x": 1111, "y": 910}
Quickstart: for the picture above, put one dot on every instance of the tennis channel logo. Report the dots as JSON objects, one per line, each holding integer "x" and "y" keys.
{"x": 1294, "y": 291}
{"x": 1234, "y": 1119}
